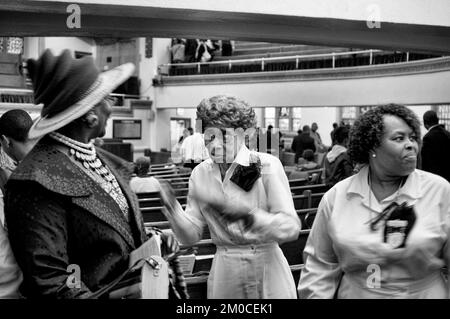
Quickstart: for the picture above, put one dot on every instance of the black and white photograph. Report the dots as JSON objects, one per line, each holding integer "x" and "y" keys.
{"x": 237, "y": 150}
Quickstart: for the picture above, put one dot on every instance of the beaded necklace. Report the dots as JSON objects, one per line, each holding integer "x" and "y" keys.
{"x": 86, "y": 155}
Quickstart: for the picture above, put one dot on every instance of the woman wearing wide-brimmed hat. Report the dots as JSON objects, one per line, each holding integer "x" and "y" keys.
{"x": 68, "y": 202}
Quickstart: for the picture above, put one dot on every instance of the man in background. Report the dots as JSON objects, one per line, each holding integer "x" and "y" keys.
{"x": 14, "y": 127}
{"x": 193, "y": 150}
{"x": 317, "y": 139}
{"x": 302, "y": 142}
{"x": 333, "y": 134}
{"x": 435, "y": 151}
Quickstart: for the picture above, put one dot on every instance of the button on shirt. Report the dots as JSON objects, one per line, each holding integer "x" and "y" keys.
{"x": 275, "y": 218}
{"x": 341, "y": 242}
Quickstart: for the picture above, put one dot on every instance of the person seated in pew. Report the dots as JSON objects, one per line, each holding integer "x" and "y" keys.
{"x": 244, "y": 198}
{"x": 306, "y": 162}
{"x": 142, "y": 183}
{"x": 338, "y": 165}
{"x": 383, "y": 232}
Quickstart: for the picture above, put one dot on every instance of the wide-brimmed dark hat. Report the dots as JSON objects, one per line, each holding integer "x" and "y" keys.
{"x": 68, "y": 88}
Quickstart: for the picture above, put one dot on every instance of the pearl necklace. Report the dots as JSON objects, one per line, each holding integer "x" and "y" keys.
{"x": 86, "y": 155}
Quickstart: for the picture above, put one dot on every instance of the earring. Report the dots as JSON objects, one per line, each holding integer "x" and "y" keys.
{"x": 374, "y": 155}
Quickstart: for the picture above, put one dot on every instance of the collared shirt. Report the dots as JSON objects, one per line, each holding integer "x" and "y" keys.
{"x": 341, "y": 242}
{"x": 144, "y": 184}
{"x": 275, "y": 219}
{"x": 435, "y": 125}
{"x": 193, "y": 148}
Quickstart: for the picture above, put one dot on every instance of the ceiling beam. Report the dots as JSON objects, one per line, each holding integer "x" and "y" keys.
{"x": 48, "y": 18}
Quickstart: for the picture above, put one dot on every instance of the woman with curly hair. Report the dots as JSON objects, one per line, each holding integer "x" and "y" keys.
{"x": 384, "y": 232}
{"x": 245, "y": 200}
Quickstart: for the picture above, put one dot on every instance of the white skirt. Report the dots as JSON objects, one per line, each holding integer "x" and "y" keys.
{"x": 251, "y": 272}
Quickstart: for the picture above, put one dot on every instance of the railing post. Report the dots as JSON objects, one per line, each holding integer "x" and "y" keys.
{"x": 198, "y": 68}
{"x": 296, "y": 62}
{"x": 334, "y": 60}
{"x": 262, "y": 64}
{"x": 407, "y": 56}
{"x": 229, "y": 65}
{"x": 371, "y": 57}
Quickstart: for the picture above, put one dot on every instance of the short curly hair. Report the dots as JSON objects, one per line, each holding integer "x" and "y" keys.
{"x": 225, "y": 111}
{"x": 367, "y": 132}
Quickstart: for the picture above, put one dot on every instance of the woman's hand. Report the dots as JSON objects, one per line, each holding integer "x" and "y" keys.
{"x": 231, "y": 209}
{"x": 169, "y": 244}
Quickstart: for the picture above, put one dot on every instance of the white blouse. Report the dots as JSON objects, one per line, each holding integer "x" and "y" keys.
{"x": 275, "y": 218}
{"x": 341, "y": 243}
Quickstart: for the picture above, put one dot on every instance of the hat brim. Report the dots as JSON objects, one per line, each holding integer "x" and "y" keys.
{"x": 104, "y": 85}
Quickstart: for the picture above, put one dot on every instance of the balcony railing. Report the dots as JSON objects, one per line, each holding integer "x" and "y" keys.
{"x": 25, "y": 96}
{"x": 286, "y": 63}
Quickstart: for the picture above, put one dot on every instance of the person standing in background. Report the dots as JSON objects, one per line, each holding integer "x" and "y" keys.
{"x": 338, "y": 165}
{"x": 435, "y": 151}
{"x": 190, "y": 49}
{"x": 332, "y": 134}
{"x": 317, "y": 139}
{"x": 178, "y": 51}
{"x": 14, "y": 127}
{"x": 302, "y": 142}
{"x": 227, "y": 47}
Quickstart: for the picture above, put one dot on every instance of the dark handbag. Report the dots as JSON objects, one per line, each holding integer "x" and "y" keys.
{"x": 398, "y": 225}
{"x": 246, "y": 176}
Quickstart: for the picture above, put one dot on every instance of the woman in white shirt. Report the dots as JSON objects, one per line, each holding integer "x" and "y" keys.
{"x": 142, "y": 183}
{"x": 384, "y": 232}
{"x": 245, "y": 200}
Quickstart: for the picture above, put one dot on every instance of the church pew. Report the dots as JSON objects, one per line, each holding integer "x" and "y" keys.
{"x": 172, "y": 176}
{"x": 317, "y": 188}
{"x": 297, "y": 182}
{"x": 293, "y": 251}
{"x": 302, "y": 201}
{"x": 156, "y": 202}
{"x": 316, "y": 198}
{"x": 197, "y": 284}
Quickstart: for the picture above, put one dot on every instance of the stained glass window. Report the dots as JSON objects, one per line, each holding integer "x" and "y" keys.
{"x": 444, "y": 115}
{"x": 349, "y": 114}
{"x": 11, "y": 45}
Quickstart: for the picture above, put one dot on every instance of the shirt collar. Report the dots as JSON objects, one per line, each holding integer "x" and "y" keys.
{"x": 359, "y": 185}
{"x": 435, "y": 125}
{"x": 243, "y": 156}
